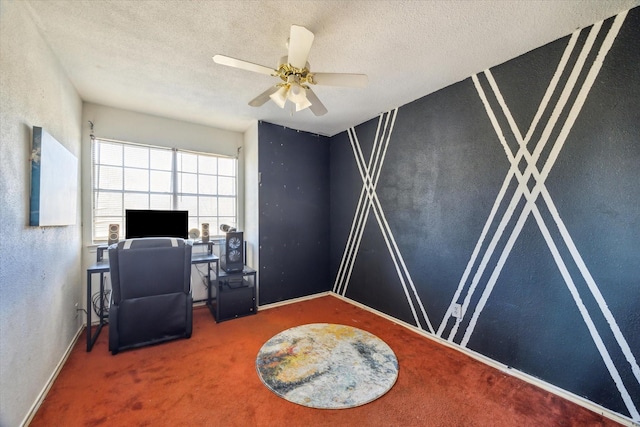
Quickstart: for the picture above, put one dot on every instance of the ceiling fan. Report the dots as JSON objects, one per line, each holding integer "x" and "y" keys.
{"x": 296, "y": 76}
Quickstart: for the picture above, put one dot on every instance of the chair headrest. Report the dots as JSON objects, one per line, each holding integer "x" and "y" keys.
{"x": 129, "y": 242}
{"x": 151, "y": 242}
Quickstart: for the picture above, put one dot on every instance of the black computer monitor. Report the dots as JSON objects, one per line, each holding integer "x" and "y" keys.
{"x": 156, "y": 223}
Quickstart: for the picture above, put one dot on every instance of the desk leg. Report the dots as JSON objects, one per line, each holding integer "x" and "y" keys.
{"x": 89, "y": 311}
{"x": 209, "y": 293}
{"x": 209, "y": 284}
{"x": 101, "y": 299}
{"x": 91, "y": 339}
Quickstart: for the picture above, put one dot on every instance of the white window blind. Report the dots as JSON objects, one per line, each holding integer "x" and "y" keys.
{"x": 134, "y": 176}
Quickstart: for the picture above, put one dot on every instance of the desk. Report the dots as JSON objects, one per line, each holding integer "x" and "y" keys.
{"x": 102, "y": 266}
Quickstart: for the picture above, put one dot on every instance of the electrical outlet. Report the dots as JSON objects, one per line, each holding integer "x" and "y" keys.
{"x": 76, "y": 310}
{"x": 456, "y": 311}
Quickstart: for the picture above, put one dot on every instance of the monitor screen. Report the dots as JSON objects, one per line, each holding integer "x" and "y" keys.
{"x": 156, "y": 223}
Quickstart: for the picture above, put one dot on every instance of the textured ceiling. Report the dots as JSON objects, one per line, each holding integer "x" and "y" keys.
{"x": 155, "y": 56}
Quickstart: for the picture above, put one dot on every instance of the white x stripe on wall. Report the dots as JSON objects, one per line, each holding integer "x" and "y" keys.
{"x": 531, "y": 197}
{"x": 368, "y": 200}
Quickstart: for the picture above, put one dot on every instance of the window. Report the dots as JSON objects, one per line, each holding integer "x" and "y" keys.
{"x": 133, "y": 176}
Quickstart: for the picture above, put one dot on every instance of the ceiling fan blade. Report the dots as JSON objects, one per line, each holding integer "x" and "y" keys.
{"x": 238, "y": 63}
{"x": 340, "y": 79}
{"x": 300, "y": 41}
{"x": 316, "y": 106}
{"x": 263, "y": 97}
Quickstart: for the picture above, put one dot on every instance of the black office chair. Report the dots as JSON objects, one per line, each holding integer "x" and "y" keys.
{"x": 151, "y": 298}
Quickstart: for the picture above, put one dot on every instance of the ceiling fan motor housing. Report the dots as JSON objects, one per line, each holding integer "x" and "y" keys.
{"x": 286, "y": 70}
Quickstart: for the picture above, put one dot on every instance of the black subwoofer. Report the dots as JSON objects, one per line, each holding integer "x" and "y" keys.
{"x": 232, "y": 252}
{"x": 235, "y": 299}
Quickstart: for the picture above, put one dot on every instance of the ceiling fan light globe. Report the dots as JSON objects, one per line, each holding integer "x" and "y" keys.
{"x": 280, "y": 97}
{"x": 297, "y": 93}
{"x": 305, "y": 103}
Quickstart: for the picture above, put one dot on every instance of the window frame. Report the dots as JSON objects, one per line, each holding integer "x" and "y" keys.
{"x": 99, "y": 233}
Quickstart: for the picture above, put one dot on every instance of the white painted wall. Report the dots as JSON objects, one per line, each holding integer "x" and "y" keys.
{"x": 124, "y": 125}
{"x": 40, "y": 268}
{"x": 251, "y": 206}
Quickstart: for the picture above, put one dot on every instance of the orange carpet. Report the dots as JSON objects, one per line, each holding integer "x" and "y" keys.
{"x": 211, "y": 380}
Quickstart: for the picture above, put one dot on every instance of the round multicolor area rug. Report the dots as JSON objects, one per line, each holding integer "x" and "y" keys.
{"x": 327, "y": 366}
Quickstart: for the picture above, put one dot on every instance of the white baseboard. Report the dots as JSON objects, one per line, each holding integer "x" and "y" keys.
{"x": 503, "y": 368}
{"x": 36, "y": 405}
{"x": 293, "y": 300}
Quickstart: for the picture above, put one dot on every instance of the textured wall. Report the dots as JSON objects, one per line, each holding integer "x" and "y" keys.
{"x": 294, "y": 220}
{"x": 515, "y": 194}
{"x": 40, "y": 278}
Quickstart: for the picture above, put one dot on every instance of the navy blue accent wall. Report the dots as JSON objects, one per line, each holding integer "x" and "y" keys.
{"x": 294, "y": 213}
{"x": 516, "y": 194}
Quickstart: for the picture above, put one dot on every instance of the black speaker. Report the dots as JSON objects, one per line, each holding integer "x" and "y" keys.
{"x": 232, "y": 252}
{"x": 114, "y": 234}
